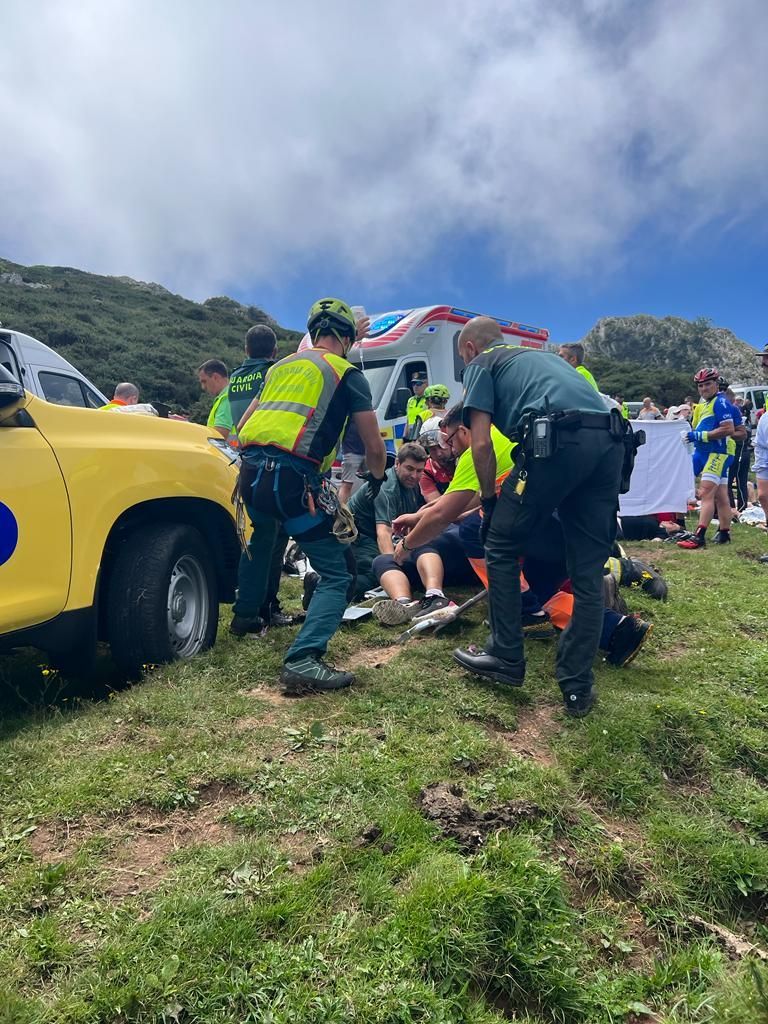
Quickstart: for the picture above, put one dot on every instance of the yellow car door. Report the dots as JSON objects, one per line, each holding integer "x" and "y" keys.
{"x": 35, "y": 529}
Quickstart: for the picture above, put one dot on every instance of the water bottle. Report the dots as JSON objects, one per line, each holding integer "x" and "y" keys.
{"x": 689, "y": 446}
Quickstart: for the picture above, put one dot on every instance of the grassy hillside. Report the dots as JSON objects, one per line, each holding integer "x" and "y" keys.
{"x": 116, "y": 329}
{"x": 199, "y": 850}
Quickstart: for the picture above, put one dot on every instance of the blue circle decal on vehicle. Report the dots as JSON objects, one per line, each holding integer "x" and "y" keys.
{"x": 9, "y": 533}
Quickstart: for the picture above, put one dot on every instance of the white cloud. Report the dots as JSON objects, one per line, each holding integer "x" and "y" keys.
{"x": 200, "y": 145}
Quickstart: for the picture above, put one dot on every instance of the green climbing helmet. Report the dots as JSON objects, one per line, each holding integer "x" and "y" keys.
{"x": 437, "y": 393}
{"x": 332, "y": 316}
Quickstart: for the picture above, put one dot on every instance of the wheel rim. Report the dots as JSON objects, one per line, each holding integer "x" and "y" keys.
{"x": 187, "y": 607}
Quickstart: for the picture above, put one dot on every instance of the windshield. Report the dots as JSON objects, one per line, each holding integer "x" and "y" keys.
{"x": 378, "y": 373}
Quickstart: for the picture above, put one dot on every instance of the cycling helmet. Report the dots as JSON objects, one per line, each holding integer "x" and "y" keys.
{"x": 437, "y": 393}
{"x": 429, "y": 435}
{"x": 332, "y": 316}
{"x": 722, "y": 383}
{"x": 704, "y": 374}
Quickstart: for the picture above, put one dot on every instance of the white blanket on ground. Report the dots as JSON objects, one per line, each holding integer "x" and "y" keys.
{"x": 662, "y": 480}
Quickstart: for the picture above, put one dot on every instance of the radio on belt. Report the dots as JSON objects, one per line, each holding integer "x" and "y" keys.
{"x": 543, "y": 437}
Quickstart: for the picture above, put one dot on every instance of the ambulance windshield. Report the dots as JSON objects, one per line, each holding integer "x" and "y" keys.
{"x": 378, "y": 373}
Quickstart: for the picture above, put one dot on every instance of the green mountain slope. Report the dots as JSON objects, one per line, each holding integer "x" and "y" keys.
{"x": 115, "y": 329}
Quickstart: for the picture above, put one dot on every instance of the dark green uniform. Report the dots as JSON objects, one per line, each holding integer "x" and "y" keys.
{"x": 245, "y": 384}
{"x": 393, "y": 500}
{"x": 581, "y": 480}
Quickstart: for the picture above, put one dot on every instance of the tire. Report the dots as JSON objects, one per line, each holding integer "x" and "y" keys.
{"x": 162, "y": 598}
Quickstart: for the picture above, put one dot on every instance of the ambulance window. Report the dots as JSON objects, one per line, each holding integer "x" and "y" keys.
{"x": 61, "y": 390}
{"x": 458, "y": 362}
{"x": 758, "y": 399}
{"x": 404, "y": 381}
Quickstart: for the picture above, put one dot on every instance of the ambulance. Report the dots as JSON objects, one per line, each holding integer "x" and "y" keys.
{"x": 404, "y": 341}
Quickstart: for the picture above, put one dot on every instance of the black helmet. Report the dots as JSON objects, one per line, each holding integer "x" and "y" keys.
{"x": 722, "y": 383}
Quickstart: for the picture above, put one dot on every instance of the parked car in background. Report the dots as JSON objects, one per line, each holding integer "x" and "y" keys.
{"x": 45, "y": 373}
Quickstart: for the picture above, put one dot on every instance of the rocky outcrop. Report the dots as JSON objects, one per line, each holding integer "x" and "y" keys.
{"x": 674, "y": 343}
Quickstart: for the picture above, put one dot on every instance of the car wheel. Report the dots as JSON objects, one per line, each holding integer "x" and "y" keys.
{"x": 162, "y": 600}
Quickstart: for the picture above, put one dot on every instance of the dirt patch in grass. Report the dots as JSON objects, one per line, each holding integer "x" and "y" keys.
{"x": 536, "y": 726}
{"x": 269, "y": 694}
{"x": 140, "y": 843}
{"x": 372, "y": 657}
{"x": 444, "y": 803}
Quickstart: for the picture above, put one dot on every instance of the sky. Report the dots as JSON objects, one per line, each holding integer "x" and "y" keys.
{"x": 548, "y": 161}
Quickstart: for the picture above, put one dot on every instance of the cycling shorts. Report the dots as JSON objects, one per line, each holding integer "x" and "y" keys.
{"x": 712, "y": 466}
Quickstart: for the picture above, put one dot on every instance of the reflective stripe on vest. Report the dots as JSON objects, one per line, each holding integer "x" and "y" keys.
{"x": 296, "y": 396}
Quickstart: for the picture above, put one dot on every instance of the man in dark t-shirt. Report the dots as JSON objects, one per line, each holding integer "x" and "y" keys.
{"x": 399, "y": 495}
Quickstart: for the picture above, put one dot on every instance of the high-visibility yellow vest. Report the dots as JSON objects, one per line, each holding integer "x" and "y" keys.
{"x": 116, "y": 403}
{"x": 587, "y": 376}
{"x": 296, "y": 398}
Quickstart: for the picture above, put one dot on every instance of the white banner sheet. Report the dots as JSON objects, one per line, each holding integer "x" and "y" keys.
{"x": 662, "y": 480}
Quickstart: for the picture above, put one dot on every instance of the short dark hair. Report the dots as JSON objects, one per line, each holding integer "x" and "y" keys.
{"x": 575, "y": 348}
{"x": 260, "y": 341}
{"x": 212, "y": 366}
{"x": 454, "y": 417}
{"x": 411, "y": 450}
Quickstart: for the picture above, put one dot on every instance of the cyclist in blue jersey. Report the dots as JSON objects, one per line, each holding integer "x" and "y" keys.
{"x": 714, "y": 424}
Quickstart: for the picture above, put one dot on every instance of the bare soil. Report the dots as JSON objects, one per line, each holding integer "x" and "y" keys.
{"x": 444, "y": 803}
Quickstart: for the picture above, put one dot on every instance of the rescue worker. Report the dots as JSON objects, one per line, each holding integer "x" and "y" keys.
{"x": 416, "y": 409}
{"x": 245, "y": 384}
{"x": 578, "y": 473}
{"x": 573, "y": 353}
{"x": 288, "y": 438}
{"x": 214, "y": 380}
{"x": 125, "y": 394}
{"x": 247, "y": 380}
{"x": 436, "y": 396}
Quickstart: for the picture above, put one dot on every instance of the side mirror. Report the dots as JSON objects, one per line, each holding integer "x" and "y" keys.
{"x": 402, "y": 397}
{"x": 10, "y": 394}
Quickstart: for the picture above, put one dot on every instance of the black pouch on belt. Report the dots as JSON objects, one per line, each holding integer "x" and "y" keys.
{"x": 632, "y": 440}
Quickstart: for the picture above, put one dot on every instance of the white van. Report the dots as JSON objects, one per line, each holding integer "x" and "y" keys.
{"x": 424, "y": 339}
{"x": 45, "y": 373}
{"x": 757, "y": 395}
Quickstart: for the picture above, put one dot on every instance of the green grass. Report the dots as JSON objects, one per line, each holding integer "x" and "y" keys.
{"x": 192, "y": 849}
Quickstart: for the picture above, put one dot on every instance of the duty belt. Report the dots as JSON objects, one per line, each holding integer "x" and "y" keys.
{"x": 575, "y": 419}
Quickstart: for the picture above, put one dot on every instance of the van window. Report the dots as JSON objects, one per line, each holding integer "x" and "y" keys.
{"x": 758, "y": 399}
{"x": 92, "y": 400}
{"x": 8, "y": 360}
{"x": 403, "y": 381}
{"x": 458, "y": 362}
{"x": 61, "y": 390}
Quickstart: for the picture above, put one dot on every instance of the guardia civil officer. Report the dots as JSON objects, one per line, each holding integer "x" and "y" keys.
{"x": 245, "y": 384}
{"x": 509, "y": 386}
{"x": 288, "y": 439}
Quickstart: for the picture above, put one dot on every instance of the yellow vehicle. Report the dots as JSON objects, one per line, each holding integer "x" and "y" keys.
{"x": 112, "y": 528}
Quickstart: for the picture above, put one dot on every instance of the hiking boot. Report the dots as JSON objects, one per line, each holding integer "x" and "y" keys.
{"x": 480, "y": 663}
{"x": 696, "y": 540}
{"x": 311, "y": 579}
{"x": 611, "y": 597}
{"x": 628, "y": 637}
{"x": 722, "y": 537}
{"x": 280, "y": 618}
{"x": 635, "y": 573}
{"x": 396, "y": 613}
{"x": 538, "y": 627}
{"x": 577, "y": 705}
{"x": 240, "y": 626}
{"x": 310, "y": 674}
{"x": 763, "y": 559}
